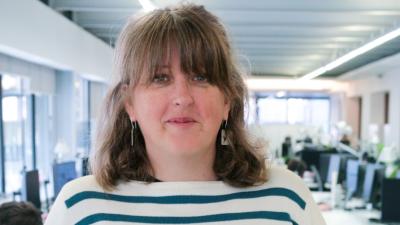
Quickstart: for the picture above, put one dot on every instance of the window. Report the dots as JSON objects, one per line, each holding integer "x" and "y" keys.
{"x": 18, "y": 151}
{"x": 82, "y": 110}
{"x": 294, "y": 110}
{"x": 45, "y": 138}
{"x": 272, "y": 110}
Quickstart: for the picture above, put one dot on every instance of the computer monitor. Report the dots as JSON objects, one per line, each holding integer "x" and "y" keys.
{"x": 63, "y": 173}
{"x": 352, "y": 177}
{"x": 390, "y": 200}
{"x": 285, "y": 149}
{"x": 344, "y": 158}
{"x": 324, "y": 166}
{"x": 372, "y": 182}
{"x": 310, "y": 157}
{"x": 30, "y": 190}
{"x": 334, "y": 166}
{"x": 85, "y": 166}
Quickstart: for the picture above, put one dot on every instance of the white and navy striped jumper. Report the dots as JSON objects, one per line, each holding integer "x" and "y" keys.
{"x": 283, "y": 200}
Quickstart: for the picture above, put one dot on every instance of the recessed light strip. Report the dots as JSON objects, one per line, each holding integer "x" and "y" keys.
{"x": 385, "y": 38}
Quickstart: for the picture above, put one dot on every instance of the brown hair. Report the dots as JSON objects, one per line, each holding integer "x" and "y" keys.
{"x": 20, "y": 213}
{"x": 203, "y": 47}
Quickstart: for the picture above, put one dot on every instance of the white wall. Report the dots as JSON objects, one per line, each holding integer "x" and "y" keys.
{"x": 42, "y": 78}
{"x": 32, "y": 31}
{"x": 376, "y": 78}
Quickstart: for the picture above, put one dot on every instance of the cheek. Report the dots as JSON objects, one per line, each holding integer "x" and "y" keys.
{"x": 149, "y": 107}
{"x": 212, "y": 108}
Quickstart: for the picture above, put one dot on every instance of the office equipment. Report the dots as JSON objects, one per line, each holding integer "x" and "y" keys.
{"x": 352, "y": 178}
{"x": 63, "y": 173}
{"x": 30, "y": 190}
{"x": 354, "y": 217}
{"x": 368, "y": 182}
{"x": 285, "y": 149}
{"x": 85, "y": 166}
{"x": 390, "y": 200}
{"x": 374, "y": 174}
{"x": 341, "y": 216}
{"x": 334, "y": 166}
{"x": 348, "y": 149}
{"x": 318, "y": 179}
{"x": 310, "y": 157}
{"x": 324, "y": 166}
{"x": 344, "y": 158}
{"x": 311, "y": 154}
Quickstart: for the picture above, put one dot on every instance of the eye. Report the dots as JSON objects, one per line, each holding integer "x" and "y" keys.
{"x": 160, "y": 78}
{"x": 200, "y": 78}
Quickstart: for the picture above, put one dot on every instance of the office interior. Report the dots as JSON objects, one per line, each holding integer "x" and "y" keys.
{"x": 323, "y": 104}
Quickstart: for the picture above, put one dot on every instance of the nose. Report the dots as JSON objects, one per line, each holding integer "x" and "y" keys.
{"x": 182, "y": 95}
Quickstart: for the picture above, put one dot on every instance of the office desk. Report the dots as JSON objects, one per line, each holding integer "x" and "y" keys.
{"x": 354, "y": 217}
{"x": 343, "y": 217}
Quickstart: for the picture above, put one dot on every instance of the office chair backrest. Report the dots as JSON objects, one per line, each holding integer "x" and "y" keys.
{"x": 30, "y": 190}
{"x": 63, "y": 173}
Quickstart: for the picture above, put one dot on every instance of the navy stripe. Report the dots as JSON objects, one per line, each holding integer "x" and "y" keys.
{"x": 281, "y": 216}
{"x": 187, "y": 199}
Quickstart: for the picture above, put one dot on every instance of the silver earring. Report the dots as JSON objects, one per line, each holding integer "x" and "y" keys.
{"x": 134, "y": 126}
{"x": 224, "y": 137}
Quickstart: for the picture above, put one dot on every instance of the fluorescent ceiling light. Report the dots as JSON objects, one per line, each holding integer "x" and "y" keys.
{"x": 383, "y": 13}
{"x": 147, "y": 5}
{"x": 266, "y": 84}
{"x": 361, "y": 28}
{"x": 385, "y": 38}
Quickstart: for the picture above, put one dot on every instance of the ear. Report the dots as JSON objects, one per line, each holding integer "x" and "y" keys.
{"x": 128, "y": 105}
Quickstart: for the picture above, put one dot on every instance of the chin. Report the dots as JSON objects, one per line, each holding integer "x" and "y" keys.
{"x": 187, "y": 149}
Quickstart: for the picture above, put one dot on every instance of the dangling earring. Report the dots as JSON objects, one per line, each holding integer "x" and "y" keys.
{"x": 224, "y": 137}
{"x": 134, "y": 126}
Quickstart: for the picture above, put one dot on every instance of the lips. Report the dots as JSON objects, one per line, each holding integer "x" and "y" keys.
{"x": 181, "y": 120}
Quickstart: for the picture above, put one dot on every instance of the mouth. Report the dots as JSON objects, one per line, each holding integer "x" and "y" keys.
{"x": 181, "y": 120}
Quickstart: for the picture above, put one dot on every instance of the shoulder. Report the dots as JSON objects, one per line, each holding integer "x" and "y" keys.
{"x": 60, "y": 213}
{"x": 280, "y": 176}
{"x": 86, "y": 183}
{"x": 283, "y": 178}
{"x": 289, "y": 183}
{"x": 83, "y": 182}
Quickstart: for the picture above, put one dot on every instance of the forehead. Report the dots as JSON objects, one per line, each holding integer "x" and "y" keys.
{"x": 172, "y": 58}
{"x": 188, "y": 44}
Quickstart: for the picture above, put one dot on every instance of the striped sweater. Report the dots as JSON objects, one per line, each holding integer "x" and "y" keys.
{"x": 283, "y": 200}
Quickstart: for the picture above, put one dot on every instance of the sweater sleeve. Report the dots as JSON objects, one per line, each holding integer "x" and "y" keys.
{"x": 58, "y": 211}
{"x": 60, "y": 214}
{"x": 312, "y": 211}
{"x": 312, "y": 214}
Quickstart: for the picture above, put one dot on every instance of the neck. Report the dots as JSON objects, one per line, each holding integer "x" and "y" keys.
{"x": 183, "y": 168}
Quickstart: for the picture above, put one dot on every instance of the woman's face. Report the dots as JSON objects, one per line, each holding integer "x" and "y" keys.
{"x": 179, "y": 114}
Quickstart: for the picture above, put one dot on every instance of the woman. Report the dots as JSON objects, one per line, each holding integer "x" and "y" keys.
{"x": 172, "y": 146}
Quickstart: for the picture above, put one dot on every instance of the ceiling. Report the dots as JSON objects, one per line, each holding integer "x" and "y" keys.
{"x": 285, "y": 38}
